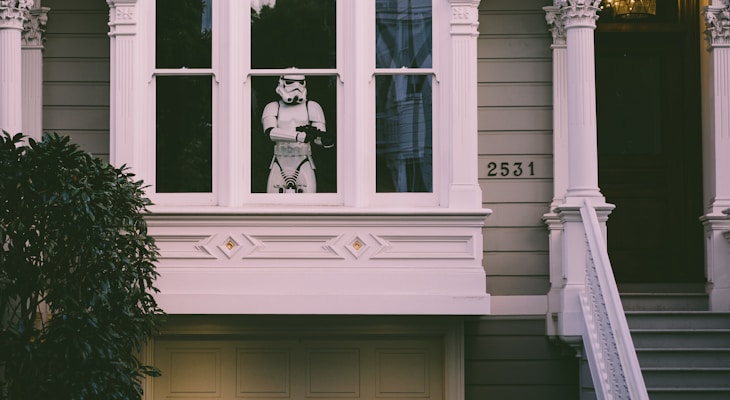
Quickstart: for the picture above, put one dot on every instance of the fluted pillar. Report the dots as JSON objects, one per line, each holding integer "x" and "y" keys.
{"x": 579, "y": 19}
{"x": 464, "y": 191}
{"x": 32, "y": 65}
{"x": 576, "y": 154}
{"x": 717, "y": 167}
{"x": 553, "y": 16}
{"x": 122, "y": 82}
{"x": 13, "y": 13}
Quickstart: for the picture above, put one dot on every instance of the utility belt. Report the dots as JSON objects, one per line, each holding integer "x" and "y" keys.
{"x": 291, "y": 149}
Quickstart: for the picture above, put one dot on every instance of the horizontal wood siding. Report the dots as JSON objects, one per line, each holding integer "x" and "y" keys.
{"x": 76, "y": 73}
{"x": 509, "y": 358}
{"x": 515, "y": 143}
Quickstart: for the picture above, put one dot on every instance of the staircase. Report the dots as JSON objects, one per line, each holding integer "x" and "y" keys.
{"x": 683, "y": 349}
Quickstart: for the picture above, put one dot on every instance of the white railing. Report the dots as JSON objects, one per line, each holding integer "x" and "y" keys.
{"x": 609, "y": 348}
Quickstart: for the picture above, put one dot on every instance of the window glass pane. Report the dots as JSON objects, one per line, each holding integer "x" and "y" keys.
{"x": 403, "y": 33}
{"x": 298, "y": 153}
{"x": 184, "y": 134}
{"x": 183, "y": 33}
{"x": 293, "y": 33}
{"x": 404, "y": 133}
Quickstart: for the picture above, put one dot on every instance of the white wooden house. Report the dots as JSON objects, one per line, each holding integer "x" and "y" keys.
{"x": 518, "y": 188}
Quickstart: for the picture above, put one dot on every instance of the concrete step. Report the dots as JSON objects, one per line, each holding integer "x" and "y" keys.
{"x": 664, "y": 301}
{"x": 681, "y": 338}
{"x": 678, "y": 320}
{"x": 687, "y": 378}
{"x": 689, "y": 394}
{"x": 684, "y": 358}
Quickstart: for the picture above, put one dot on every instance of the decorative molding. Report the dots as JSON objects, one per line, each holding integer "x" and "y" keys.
{"x": 718, "y": 25}
{"x": 122, "y": 17}
{"x": 464, "y": 17}
{"x": 321, "y": 264}
{"x": 34, "y": 28}
{"x": 305, "y": 246}
{"x": 579, "y": 13}
{"x": 599, "y": 327}
{"x": 13, "y": 13}
{"x": 554, "y": 18}
{"x": 425, "y": 247}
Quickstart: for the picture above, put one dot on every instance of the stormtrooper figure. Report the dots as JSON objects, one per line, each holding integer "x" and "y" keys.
{"x": 294, "y": 124}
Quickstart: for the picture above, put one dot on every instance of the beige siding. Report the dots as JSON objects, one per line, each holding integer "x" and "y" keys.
{"x": 76, "y": 73}
{"x": 512, "y": 358}
{"x": 515, "y": 131}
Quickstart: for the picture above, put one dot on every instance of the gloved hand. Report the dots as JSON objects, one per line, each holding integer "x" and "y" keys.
{"x": 309, "y": 131}
{"x": 328, "y": 139}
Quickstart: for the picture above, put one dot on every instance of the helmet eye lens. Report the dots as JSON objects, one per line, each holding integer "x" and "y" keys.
{"x": 291, "y": 82}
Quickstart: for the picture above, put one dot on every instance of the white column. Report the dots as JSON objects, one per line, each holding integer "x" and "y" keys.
{"x": 13, "y": 13}
{"x": 123, "y": 82}
{"x": 464, "y": 191}
{"x": 579, "y": 17}
{"x": 554, "y": 18}
{"x": 560, "y": 162}
{"x": 32, "y": 62}
{"x": 717, "y": 164}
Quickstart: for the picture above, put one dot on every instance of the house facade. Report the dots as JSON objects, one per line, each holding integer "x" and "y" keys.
{"x": 439, "y": 199}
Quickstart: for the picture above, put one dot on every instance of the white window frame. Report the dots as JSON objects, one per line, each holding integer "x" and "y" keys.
{"x": 454, "y": 167}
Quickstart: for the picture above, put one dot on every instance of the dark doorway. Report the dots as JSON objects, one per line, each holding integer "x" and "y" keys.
{"x": 649, "y": 144}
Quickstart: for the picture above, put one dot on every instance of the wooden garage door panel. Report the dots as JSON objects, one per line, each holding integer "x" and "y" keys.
{"x": 300, "y": 369}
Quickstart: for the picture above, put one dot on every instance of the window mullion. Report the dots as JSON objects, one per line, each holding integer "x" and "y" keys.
{"x": 359, "y": 150}
{"x": 229, "y": 49}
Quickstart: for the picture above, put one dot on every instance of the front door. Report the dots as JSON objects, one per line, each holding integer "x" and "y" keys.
{"x": 649, "y": 144}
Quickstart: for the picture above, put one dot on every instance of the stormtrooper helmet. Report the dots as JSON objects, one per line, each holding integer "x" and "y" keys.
{"x": 292, "y": 88}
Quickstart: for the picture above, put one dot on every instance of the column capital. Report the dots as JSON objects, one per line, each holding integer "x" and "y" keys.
{"x": 717, "y": 20}
{"x": 579, "y": 13}
{"x": 122, "y": 17}
{"x": 34, "y": 27}
{"x": 464, "y": 17}
{"x": 13, "y": 13}
{"x": 554, "y": 18}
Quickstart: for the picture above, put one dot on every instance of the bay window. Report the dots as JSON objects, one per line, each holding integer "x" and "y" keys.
{"x": 369, "y": 70}
{"x": 304, "y": 156}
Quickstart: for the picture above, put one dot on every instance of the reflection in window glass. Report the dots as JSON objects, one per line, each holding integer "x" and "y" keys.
{"x": 403, "y": 133}
{"x": 183, "y": 33}
{"x": 293, "y": 33}
{"x": 293, "y": 134}
{"x": 184, "y": 134}
{"x": 403, "y": 33}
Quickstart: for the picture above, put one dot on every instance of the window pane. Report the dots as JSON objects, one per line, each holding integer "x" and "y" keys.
{"x": 184, "y": 134}
{"x": 403, "y": 33}
{"x": 293, "y": 33}
{"x": 403, "y": 133}
{"x": 284, "y": 161}
{"x": 183, "y": 33}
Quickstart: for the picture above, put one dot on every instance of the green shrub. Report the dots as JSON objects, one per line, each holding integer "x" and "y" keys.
{"x": 74, "y": 242}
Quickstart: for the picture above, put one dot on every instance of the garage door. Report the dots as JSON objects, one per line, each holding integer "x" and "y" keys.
{"x": 300, "y": 368}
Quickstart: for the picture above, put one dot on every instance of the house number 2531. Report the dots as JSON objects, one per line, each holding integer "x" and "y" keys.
{"x": 505, "y": 168}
